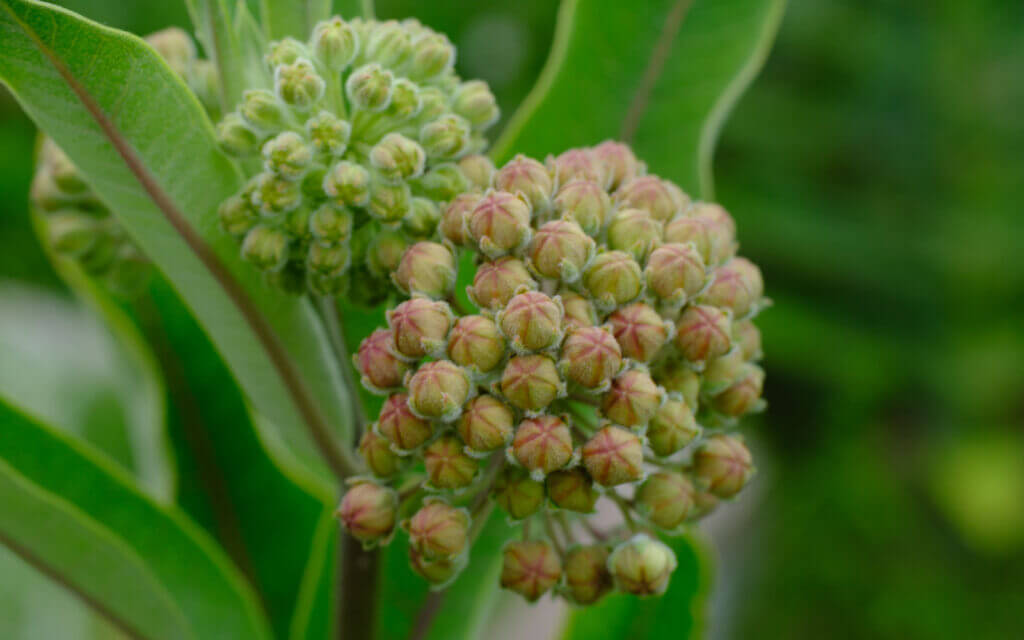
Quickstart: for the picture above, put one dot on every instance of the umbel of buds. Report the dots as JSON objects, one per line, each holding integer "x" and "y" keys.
{"x": 607, "y": 363}
{"x": 357, "y": 144}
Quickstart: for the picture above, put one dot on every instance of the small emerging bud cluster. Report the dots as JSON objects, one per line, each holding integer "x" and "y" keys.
{"x": 365, "y": 137}
{"x": 615, "y": 326}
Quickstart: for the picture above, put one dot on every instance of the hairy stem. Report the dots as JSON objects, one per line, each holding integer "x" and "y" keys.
{"x": 356, "y": 590}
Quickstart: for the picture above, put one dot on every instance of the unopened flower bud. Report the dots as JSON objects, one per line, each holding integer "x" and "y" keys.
{"x": 266, "y": 248}
{"x": 585, "y": 203}
{"x": 746, "y": 334}
{"x": 446, "y": 137}
{"x": 400, "y": 425}
{"x": 380, "y": 367}
{"x": 335, "y": 43}
{"x": 640, "y": 331}
{"x": 175, "y": 47}
{"x": 587, "y": 579}
{"x": 744, "y": 394}
{"x": 560, "y": 250}
{"x": 438, "y": 531}
{"x": 285, "y": 51}
{"x": 614, "y": 456}
{"x": 438, "y": 390}
{"x": 287, "y": 155}
{"x": 642, "y": 566}
{"x": 711, "y": 230}
{"x": 71, "y": 233}
{"x": 437, "y": 572}
{"x": 376, "y": 451}
{"x": 474, "y": 101}
{"x": 448, "y": 467}
{"x": 531, "y": 321}
{"x": 666, "y": 499}
{"x": 236, "y": 215}
{"x": 422, "y": 218}
{"x": 542, "y": 444}
{"x": 517, "y": 493}
{"x": 348, "y": 184}
{"x": 578, "y": 164}
{"x": 298, "y": 84}
{"x": 528, "y": 177}
{"x": 389, "y": 203}
{"x": 672, "y": 428}
{"x": 704, "y": 502}
{"x": 398, "y": 158}
{"x": 620, "y": 165}
{"x": 478, "y": 169}
{"x": 443, "y": 182}
{"x": 651, "y": 194}
{"x": 634, "y": 231}
{"x": 737, "y": 285}
{"x": 389, "y": 43}
{"x": 369, "y": 88}
{"x": 236, "y": 137}
{"x": 722, "y": 465}
{"x": 274, "y": 194}
{"x": 572, "y": 489}
{"x": 579, "y": 312}
{"x": 531, "y": 383}
{"x": 427, "y": 268}
{"x": 431, "y": 55}
{"x": 420, "y": 326}
{"x": 591, "y": 357}
{"x": 702, "y": 333}
{"x": 329, "y": 224}
{"x": 262, "y": 110}
{"x": 500, "y": 223}
{"x": 385, "y": 251}
{"x": 613, "y": 278}
{"x": 632, "y": 400}
{"x": 405, "y": 102}
{"x": 496, "y": 282}
{"x": 721, "y": 372}
{"x": 486, "y": 424}
{"x": 476, "y": 343}
{"x": 680, "y": 378}
{"x": 675, "y": 272}
{"x": 453, "y": 218}
{"x": 328, "y": 260}
{"x": 329, "y": 134}
{"x": 530, "y": 568}
{"x": 367, "y": 511}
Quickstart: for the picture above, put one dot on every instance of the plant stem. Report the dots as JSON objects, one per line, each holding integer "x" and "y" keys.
{"x": 332, "y": 321}
{"x": 624, "y": 508}
{"x": 356, "y": 590}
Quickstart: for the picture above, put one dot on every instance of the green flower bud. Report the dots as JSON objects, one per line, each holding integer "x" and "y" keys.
{"x": 422, "y": 218}
{"x": 298, "y": 84}
{"x": 438, "y": 531}
{"x": 635, "y": 232}
{"x": 542, "y": 444}
{"x": 478, "y": 169}
{"x": 531, "y": 383}
{"x": 640, "y": 331}
{"x": 579, "y": 312}
{"x": 486, "y": 424}
{"x": 329, "y": 224}
{"x": 737, "y": 285}
{"x": 476, "y": 343}
{"x": 572, "y": 489}
{"x": 401, "y": 426}
{"x": 642, "y": 566}
{"x": 324, "y": 285}
{"x": 348, "y": 184}
{"x": 175, "y": 47}
{"x": 675, "y": 272}
{"x": 376, "y": 452}
{"x": 586, "y": 204}
{"x": 438, "y": 390}
{"x": 650, "y": 193}
{"x": 474, "y": 101}
{"x": 453, "y": 219}
{"x": 263, "y": 111}
{"x": 432, "y": 54}
{"x": 532, "y": 322}
{"x": 744, "y": 394}
{"x": 236, "y": 216}
{"x": 443, "y": 182}
{"x": 702, "y": 333}
{"x": 614, "y": 456}
{"x": 496, "y": 282}
{"x": 590, "y": 357}
{"x": 420, "y": 327}
{"x": 275, "y": 194}
{"x": 335, "y": 43}
{"x": 560, "y": 250}
{"x": 330, "y": 135}
{"x": 620, "y": 165}
{"x": 285, "y": 51}
{"x": 265, "y": 247}
{"x": 680, "y": 378}
{"x": 586, "y": 574}
{"x": 448, "y": 466}
{"x": 427, "y": 268}
{"x": 446, "y": 137}
{"x": 288, "y": 156}
{"x": 328, "y": 260}
{"x": 722, "y": 372}
{"x": 666, "y": 499}
{"x": 500, "y": 223}
{"x": 613, "y": 279}
{"x": 433, "y": 103}
{"x": 71, "y": 233}
{"x": 529, "y": 178}
{"x": 376, "y": 361}
{"x": 672, "y": 428}
{"x": 633, "y": 399}
{"x": 385, "y": 251}
{"x": 722, "y": 465}
{"x": 746, "y": 334}
{"x": 367, "y": 512}
{"x": 389, "y": 203}
{"x": 406, "y": 102}
{"x": 389, "y": 44}
{"x": 235, "y": 136}
{"x": 517, "y": 493}
{"x": 704, "y": 503}
{"x": 398, "y": 158}
{"x": 369, "y": 88}
{"x": 578, "y": 164}
{"x": 530, "y": 568}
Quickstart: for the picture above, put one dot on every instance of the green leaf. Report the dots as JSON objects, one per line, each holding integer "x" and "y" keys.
{"x": 294, "y": 18}
{"x": 215, "y": 31}
{"x": 661, "y": 75}
{"x": 85, "y": 523}
{"x": 315, "y": 611}
{"x": 148, "y": 150}
{"x": 676, "y": 614}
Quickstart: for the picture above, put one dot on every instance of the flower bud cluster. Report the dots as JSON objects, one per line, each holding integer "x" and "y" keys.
{"x": 78, "y": 225}
{"x": 365, "y": 135}
{"x": 613, "y": 350}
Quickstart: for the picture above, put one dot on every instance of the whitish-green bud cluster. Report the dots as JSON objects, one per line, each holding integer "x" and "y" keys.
{"x": 364, "y": 138}
{"x": 613, "y": 351}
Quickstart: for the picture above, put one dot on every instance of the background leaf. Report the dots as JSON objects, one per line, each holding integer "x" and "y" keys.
{"x": 295, "y": 18}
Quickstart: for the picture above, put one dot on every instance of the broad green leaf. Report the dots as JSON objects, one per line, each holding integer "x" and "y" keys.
{"x": 315, "y": 610}
{"x": 679, "y": 613}
{"x": 148, "y": 150}
{"x": 661, "y": 75}
{"x": 293, "y": 18}
{"x": 84, "y": 522}
{"x": 215, "y": 30}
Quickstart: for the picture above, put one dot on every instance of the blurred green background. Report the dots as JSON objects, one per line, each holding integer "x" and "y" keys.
{"x": 876, "y": 171}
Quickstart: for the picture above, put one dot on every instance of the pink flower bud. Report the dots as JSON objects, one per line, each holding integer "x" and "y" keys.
{"x": 560, "y": 250}
{"x": 679, "y": 378}
{"x": 620, "y": 165}
{"x": 590, "y": 357}
{"x": 633, "y": 399}
{"x": 486, "y": 424}
{"x": 367, "y": 511}
{"x": 427, "y": 268}
{"x": 438, "y": 531}
{"x": 722, "y": 465}
{"x": 448, "y": 466}
{"x": 542, "y": 444}
{"x": 376, "y": 361}
{"x": 710, "y": 229}
{"x": 640, "y": 331}
{"x": 636, "y": 232}
{"x": 436, "y": 572}
{"x": 672, "y": 428}
{"x": 586, "y": 204}
{"x": 737, "y": 285}
{"x": 614, "y": 456}
{"x": 744, "y": 394}
{"x": 438, "y": 390}
{"x": 400, "y": 425}
{"x": 531, "y": 382}
{"x": 675, "y": 272}
{"x": 721, "y": 372}
{"x": 453, "y": 225}
{"x": 578, "y": 164}
{"x": 532, "y": 322}
{"x": 496, "y": 282}
{"x": 376, "y": 451}
{"x": 651, "y": 194}
{"x": 528, "y": 177}
{"x": 587, "y": 578}
{"x": 517, "y": 493}
{"x": 642, "y": 566}
{"x": 572, "y": 489}
{"x": 530, "y": 568}
{"x": 613, "y": 278}
{"x": 702, "y": 333}
{"x": 499, "y": 223}
{"x": 666, "y": 499}
{"x": 420, "y": 326}
{"x": 476, "y": 343}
